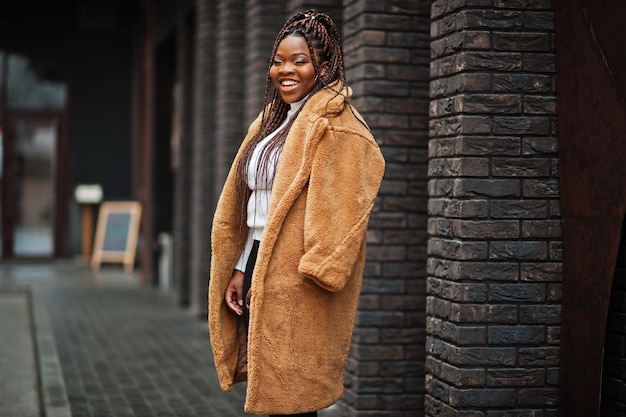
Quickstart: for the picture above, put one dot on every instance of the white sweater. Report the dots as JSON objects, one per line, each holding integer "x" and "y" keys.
{"x": 259, "y": 201}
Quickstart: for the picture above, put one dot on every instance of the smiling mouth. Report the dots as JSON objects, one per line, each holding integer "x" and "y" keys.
{"x": 288, "y": 83}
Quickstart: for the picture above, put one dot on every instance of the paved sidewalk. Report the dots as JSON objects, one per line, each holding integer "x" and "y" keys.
{"x": 125, "y": 351}
{"x": 107, "y": 347}
{"x": 19, "y": 390}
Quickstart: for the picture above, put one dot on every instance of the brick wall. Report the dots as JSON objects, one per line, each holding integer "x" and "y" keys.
{"x": 333, "y": 8}
{"x": 203, "y": 195}
{"x": 613, "y": 402}
{"x": 263, "y": 21}
{"x": 386, "y": 47}
{"x": 493, "y": 309}
{"x": 182, "y": 175}
{"x": 229, "y": 95}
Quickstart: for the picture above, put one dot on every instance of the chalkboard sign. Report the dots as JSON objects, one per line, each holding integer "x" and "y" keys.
{"x": 116, "y": 233}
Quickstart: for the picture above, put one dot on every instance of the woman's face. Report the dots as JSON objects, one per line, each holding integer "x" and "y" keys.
{"x": 292, "y": 69}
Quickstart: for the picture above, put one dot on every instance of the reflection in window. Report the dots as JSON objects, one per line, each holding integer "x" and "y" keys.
{"x": 34, "y": 86}
{"x": 34, "y": 188}
{"x": 34, "y": 93}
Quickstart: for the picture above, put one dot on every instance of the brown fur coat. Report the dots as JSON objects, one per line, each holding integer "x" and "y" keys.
{"x": 309, "y": 268}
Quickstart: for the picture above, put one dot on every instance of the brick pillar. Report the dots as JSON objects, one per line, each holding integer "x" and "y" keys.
{"x": 494, "y": 264}
{"x": 202, "y": 193}
{"x": 387, "y": 57}
{"x": 230, "y": 64}
{"x": 331, "y": 7}
{"x": 263, "y": 21}
{"x": 183, "y": 160}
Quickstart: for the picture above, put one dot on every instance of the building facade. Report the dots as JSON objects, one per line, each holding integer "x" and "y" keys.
{"x": 494, "y": 280}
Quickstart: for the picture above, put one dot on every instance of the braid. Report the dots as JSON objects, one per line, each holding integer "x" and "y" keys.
{"x": 324, "y": 41}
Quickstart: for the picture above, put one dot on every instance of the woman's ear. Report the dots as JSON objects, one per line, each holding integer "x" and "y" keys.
{"x": 323, "y": 68}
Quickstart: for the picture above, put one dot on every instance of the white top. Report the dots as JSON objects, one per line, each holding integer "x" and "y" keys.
{"x": 259, "y": 201}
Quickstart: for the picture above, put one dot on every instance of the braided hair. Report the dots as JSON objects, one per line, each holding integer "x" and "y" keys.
{"x": 325, "y": 47}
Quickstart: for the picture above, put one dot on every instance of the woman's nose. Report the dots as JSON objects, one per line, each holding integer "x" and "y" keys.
{"x": 286, "y": 68}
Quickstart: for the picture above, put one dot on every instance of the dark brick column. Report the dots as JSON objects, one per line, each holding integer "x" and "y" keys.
{"x": 387, "y": 56}
{"x": 331, "y": 7}
{"x": 229, "y": 97}
{"x": 494, "y": 264}
{"x": 263, "y": 21}
{"x": 202, "y": 193}
{"x": 183, "y": 161}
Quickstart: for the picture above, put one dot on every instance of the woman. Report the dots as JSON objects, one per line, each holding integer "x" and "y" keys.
{"x": 291, "y": 224}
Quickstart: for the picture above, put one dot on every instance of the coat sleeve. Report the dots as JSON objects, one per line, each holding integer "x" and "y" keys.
{"x": 345, "y": 178}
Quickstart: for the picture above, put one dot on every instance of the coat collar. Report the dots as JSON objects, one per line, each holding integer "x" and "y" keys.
{"x": 330, "y": 100}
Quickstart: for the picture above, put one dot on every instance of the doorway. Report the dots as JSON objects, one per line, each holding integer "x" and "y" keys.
{"x": 30, "y": 203}
{"x": 34, "y": 160}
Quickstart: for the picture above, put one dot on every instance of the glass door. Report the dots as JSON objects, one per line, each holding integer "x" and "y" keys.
{"x": 35, "y": 155}
{"x": 34, "y": 194}
{"x": 29, "y": 192}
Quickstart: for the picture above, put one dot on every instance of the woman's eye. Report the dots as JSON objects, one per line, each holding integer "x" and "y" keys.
{"x": 276, "y": 62}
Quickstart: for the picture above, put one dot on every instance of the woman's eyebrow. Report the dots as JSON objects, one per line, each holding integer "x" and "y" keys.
{"x": 294, "y": 54}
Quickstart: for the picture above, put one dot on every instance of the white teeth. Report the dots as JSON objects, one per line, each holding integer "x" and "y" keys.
{"x": 288, "y": 83}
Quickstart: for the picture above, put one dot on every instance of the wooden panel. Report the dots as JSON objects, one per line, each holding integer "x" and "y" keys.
{"x": 592, "y": 149}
